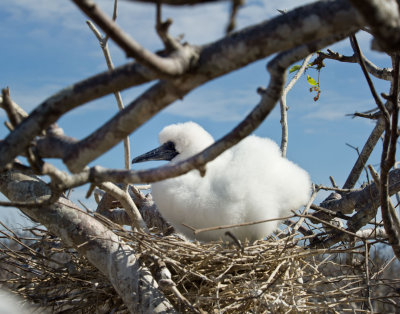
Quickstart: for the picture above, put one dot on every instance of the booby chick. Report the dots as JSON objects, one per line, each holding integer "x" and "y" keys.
{"x": 247, "y": 183}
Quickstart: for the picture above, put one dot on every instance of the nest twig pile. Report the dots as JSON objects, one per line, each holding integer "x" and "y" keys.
{"x": 277, "y": 275}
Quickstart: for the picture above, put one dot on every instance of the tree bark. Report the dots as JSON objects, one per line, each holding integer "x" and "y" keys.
{"x": 103, "y": 248}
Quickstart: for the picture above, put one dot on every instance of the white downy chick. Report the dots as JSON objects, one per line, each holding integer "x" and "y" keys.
{"x": 247, "y": 183}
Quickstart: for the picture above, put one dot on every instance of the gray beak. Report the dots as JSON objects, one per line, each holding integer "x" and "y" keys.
{"x": 166, "y": 151}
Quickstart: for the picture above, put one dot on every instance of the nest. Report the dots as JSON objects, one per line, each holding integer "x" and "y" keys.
{"x": 277, "y": 275}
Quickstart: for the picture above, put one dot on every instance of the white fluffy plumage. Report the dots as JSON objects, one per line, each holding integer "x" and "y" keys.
{"x": 247, "y": 183}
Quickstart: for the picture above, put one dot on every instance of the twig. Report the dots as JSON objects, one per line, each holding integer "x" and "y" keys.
{"x": 328, "y": 188}
{"x": 8, "y": 105}
{"x": 367, "y": 279}
{"x": 285, "y": 108}
{"x": 306, "y": 208}
{"x": 384, "y": 74}
{"x": 103, "y": 41}
{"x": 236, "y": 4}
{"x": 164, "y": 67}
{"x": 376, "y": 132}
{"x": 127, "y": 203}
{"x": 162, "y": 28}
{"x": 390, "y": 219}
{"x": 359, "y": 55}
{"x": 333, "y": 182}
{"x": 197, "y": 231}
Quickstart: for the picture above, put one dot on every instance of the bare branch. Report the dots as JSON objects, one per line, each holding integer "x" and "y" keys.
{"x": 389, "y": 216}
{"x": 164, "y": 67}
{"x": 162, "y": 30}
{"x": 384, "y": 19}
{"x": 105, "y": 250}
{"x": 103, "y": 41}
{"x": 236, "y": 4}
{"x": 285, "y": 108}
{"x": 365, "y": 153}
{"x": 9, "y": 106}
{"x": 20, "y": 112}
{"x": 372, "y": 233}
{"x": 369, "y": 194}
{"x": 359, "y": 55}
{"x": 384, "y": 74}
{"x": 127, "y": 203}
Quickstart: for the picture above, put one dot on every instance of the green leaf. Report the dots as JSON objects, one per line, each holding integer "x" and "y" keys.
{"x": 311, "y": 81}
{"x": 294, "y": 68}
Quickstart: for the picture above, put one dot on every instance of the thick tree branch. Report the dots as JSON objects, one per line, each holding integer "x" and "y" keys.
{"x": 105, "y": 250}
{"x": 365, "y": 202}
{"x": 367, "y": 196}
{"x": 384, "y": 19}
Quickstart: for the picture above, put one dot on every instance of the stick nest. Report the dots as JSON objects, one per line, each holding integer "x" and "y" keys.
{"x": 276, "y": 275}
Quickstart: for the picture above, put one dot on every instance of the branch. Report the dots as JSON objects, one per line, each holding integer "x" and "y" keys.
{"x": 390, "y": 220}
{"x": 104, "y": 249}
{"x": 365, "y": 153}
{"x": 389, "y": 217}
{"x": 236, "y": 4}
{"x": 163, "y": 67}
{"x": 384, "y": 19}
{"x": 365, "y": 202}
{"x": 12, "y": 109}
{"x": 103, "y": 41}
{"x": 372, "y": 233}
{"x": 147, "y": 208}
{"x": 384, "y": 74}
{"x": 366, "y": 197}
{"x": 285, "y": 108}
{"x": 371, "y": 86}
{"x": 127, "y": 203}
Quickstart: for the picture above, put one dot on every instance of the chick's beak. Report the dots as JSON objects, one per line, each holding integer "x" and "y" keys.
{"x": 166, "y": 151}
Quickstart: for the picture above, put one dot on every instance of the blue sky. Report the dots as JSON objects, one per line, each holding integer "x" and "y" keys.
{"x": 46, "y": 46}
